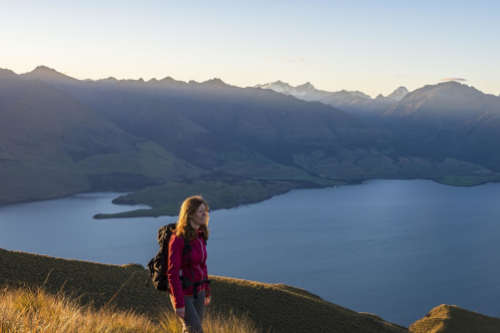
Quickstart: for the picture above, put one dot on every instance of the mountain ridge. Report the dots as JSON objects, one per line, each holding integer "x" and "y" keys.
{"x": 450, "y": 118}
{"x": 302, "y": 91}
{"x": 354, "y": 102}
{"x": 217, "y": 130}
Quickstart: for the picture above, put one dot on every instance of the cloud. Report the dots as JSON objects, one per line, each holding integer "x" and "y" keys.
{"x": 448, "y": 79}
{"x": 293, "y": 60}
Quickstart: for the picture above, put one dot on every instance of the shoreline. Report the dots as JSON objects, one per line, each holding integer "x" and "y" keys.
{"x": 157, "y": 212}
{"x": 150, "y": 212}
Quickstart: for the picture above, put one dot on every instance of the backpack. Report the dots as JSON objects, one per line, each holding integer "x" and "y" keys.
{"x": 159, "y": 264}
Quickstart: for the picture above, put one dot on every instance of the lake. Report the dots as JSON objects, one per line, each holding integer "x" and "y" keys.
{"x": 395, "y": 248}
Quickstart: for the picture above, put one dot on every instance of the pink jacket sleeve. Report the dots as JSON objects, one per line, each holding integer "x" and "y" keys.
{"x": 176, "y": 246}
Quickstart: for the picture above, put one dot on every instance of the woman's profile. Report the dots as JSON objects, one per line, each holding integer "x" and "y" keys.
{"x": 187, "y": 268}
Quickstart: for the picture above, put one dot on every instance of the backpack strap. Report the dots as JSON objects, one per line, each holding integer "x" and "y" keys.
{"x": 195, "y": 286}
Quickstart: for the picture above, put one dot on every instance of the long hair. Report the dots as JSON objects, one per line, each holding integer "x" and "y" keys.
{"x": 184, "y": 228}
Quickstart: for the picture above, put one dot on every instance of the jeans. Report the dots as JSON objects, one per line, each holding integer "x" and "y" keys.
{"x": 194, "y": 313}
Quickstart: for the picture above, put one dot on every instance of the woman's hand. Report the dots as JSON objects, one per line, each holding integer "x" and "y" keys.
{"x": 208, "y": 299}
{"x": 181, "y": 313}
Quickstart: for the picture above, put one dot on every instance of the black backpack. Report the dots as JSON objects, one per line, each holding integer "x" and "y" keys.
{"x": 159, "y": 264}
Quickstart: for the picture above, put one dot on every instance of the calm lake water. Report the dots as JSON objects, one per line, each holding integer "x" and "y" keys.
{"x": 393, "y": 248}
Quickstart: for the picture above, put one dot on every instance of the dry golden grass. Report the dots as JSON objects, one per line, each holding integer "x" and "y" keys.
{"x": 60, "y": 295}
{"x": 452, "y": 319}
{"x": 273, "y": 308}
{"x": 36, "y": 310}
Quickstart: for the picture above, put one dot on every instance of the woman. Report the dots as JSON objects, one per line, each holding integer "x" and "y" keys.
{"x": 190, "y": 296}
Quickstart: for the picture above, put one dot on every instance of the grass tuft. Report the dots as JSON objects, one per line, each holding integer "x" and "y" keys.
{"x": 30, "y": 309}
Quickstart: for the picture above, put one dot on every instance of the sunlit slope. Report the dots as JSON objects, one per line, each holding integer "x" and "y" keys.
{"x": 249, "y": 126}
{"x": 452, "y": 119}
{"x": 52, "y": 145}
{"x": 452, "y": 319}
{"x": 247, "y": 131}
{"x": 33, "y": 309}
{"x": 277, "y": 307}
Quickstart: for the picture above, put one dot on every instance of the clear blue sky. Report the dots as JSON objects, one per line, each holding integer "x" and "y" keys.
{"x": 370, "y": 46}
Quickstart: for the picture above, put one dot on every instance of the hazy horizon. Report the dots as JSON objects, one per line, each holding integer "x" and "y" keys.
{"x": 231, "y": 84}
{"x": 364, "y": 46}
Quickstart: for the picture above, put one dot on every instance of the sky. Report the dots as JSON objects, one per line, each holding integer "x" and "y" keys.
{"x": 369, "y": 46}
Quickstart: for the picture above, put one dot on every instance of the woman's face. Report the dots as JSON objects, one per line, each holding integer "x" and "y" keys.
{"x": 200, "y": 216}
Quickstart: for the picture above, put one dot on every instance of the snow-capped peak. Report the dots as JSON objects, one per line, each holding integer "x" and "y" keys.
{"x": 277, "y": 86}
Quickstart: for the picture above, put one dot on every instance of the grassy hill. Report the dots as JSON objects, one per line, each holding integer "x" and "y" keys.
{"x": 452, "y": 319}
{"x": 275, "y": 308}
{"x": 115, "y": 299}
{"x": 33, "y": 309}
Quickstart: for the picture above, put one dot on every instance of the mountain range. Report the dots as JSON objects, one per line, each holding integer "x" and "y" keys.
{"x": 52, "y": 145}
{"x": 60, "y": 135}
{"x": 352, "y": 101}
{"x": 448, "y": 119}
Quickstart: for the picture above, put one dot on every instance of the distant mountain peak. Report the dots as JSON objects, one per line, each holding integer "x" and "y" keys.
{"x": 215, "y": 83}
{"x": 109, "y": 79}
{"x": 359, "y": 94}
{"x": 308, "y": 92}
{"x": 140, "y": 81}
{"x": 308, "y": 87}
{"x": 285, "y": 88}
{"x": 386, "y": 100}
{"x": 46, "y": 73}
{"x": 343, "y": 92}
{"x": 454, "y": 87}
{"x": 45, "y": 70}
{"x": 452, "y": 84}
{"x": 169, "y": 79}
{"x": 398, "y": 94}
{"x": 6, "y": 73}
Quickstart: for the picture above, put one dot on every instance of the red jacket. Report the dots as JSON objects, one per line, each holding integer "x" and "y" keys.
{"x": 178, "y": 263}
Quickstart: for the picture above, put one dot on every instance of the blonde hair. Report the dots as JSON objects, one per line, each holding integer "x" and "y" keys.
{"x": 183, "y": 228}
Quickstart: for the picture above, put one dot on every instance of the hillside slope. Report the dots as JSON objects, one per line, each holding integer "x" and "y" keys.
{"x": 452, "y": 319}
{"x": 452, "y": 119}
{"x": 278, "y": 308}
{"x": 52, "y": 145}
